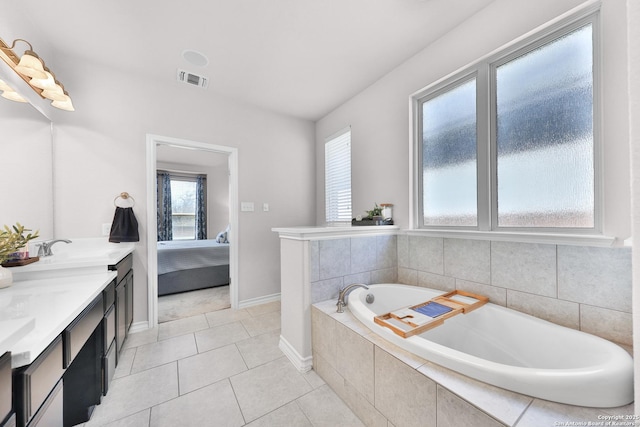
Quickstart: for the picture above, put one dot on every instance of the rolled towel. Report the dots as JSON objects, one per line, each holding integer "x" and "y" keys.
{"x": 124, "y": 227}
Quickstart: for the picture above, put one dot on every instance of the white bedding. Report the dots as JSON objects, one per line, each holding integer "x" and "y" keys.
{"x": 178, "y": 255}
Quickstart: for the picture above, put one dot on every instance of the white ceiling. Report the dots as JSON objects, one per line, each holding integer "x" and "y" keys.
{"x": 297, "y": 57}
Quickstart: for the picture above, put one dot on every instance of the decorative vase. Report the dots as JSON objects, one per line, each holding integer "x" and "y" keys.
{"x": 6, "y": 277}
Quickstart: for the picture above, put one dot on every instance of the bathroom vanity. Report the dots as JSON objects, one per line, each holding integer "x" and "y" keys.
{"x": 80, "y": 308}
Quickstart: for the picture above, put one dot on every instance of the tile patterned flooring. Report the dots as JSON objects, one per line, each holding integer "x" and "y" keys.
{"x": 222, "y": 368}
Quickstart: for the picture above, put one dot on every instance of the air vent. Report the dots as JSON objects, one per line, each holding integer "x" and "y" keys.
{"x": 192, "y": 79}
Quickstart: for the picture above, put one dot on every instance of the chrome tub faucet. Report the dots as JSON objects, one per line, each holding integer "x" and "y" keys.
{"x": 342, "y": 296}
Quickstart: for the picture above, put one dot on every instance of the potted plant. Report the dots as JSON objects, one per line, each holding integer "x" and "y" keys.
{"x": 11, "y": 240}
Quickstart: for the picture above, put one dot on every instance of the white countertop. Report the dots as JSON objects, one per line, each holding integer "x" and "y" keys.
{"x": 13, "y": 330}
{"x": 81, "y": 256}
{"x": 333, "y": 232}
{"x": 52, "y": 304}
{"x": 49, "y": 294}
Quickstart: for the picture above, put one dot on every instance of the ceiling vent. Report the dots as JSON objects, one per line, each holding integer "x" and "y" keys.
{"x": 192, "y": 79}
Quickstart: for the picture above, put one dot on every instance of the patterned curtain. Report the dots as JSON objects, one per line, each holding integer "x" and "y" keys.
{"x": 165, "y": 227}
{"x": 201, "y": 207}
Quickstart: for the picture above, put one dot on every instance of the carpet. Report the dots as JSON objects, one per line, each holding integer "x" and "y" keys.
{"x": 186, "y": 304}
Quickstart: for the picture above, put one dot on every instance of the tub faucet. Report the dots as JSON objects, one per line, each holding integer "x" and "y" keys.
{"x": 342, "y": 296}
{"x": 44, "y": 248}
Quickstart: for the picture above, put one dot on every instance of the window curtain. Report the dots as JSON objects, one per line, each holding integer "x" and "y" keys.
{"x": 165, "y": 227}
{"x": 201, "y": 207}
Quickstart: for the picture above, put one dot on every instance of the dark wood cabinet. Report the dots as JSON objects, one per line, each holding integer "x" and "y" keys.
{"x": 33, "y": 383}
{"x": 6, "y": 406}
{"x": 123, "y": 301}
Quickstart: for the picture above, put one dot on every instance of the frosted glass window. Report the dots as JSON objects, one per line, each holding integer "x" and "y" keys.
{"x": 449, "y": 157}
{"x": 544, "y": 135}
{"x": 337, "y": 177}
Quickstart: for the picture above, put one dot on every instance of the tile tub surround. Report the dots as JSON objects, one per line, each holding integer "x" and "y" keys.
{"x": 581, "y": 287}
{"x": 341, "y": 262}
{"x": 584, "y": 288}
{"x": 385, "y": 385}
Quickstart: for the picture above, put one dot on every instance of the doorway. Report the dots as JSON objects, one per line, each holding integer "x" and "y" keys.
{"x": 154, "y": 144}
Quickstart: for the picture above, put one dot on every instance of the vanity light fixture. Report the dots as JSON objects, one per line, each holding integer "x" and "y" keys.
{"x": 9, "y": 93}
{"x": 31, "y": 68}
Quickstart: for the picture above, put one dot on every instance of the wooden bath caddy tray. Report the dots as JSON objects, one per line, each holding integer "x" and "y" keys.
{"x": 416, "y": 319}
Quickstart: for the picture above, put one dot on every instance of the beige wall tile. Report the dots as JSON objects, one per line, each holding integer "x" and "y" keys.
{"x": 468, "y": 259}
{"x": 403, "y": 395}
{"x": 426, "y": 254}
{"x": 436, "y": 281}
{"x": 524, "y": 267}
{"x": 454, "y": 412}
{"x": 561, "y": 312}
{"x": 599, "y": 277}
{"x": 323, "y": 336}
{"x": 612, "y": 325}
{"x": 355, "y": 360}
{"x": 496, "y": 295}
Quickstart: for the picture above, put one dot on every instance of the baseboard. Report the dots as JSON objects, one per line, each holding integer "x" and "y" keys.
{"x": 302, "y": 364}
{"x": 260, "y": 300}
{"x": 139, "y": 327}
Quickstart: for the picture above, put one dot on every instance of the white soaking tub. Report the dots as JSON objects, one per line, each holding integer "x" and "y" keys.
{"x": 509, "y": 349}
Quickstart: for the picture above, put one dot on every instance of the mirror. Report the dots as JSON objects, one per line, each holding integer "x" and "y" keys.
{"x": 26, "y": 162}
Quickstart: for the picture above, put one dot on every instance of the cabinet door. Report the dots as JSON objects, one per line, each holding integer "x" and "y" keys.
{"x": 129, "y": 303}
{"x": 121, "y": 309}
{"x": 51, "y": 413}
{"x": 108, "y": 368}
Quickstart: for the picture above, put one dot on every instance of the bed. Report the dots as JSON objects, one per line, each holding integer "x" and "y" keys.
{"x": 188, "y": 265}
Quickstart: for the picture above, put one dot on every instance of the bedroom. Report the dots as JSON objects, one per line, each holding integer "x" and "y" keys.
{"x": 193, "y": 253}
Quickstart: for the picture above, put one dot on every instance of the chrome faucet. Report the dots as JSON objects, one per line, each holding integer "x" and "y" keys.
{"x": 44, "y": 248}
{"x": 342, "y": 296}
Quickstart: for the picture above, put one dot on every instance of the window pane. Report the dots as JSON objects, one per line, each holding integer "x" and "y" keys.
{"x": 544, "y": 102}
{"x": 449, "y": 155}
{"x": 183, "y": 207}
{"x": 338, "y": 178}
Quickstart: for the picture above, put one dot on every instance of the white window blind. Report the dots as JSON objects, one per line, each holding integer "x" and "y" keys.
{"x": 337, "y": 175}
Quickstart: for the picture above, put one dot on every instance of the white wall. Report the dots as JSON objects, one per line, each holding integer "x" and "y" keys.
{"x": 100, "y": 152}
{"x": 25, "y": 165}
{"x": 379, "y": 116}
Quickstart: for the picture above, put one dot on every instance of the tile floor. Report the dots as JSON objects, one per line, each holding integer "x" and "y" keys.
{"x": 222, "y": 368}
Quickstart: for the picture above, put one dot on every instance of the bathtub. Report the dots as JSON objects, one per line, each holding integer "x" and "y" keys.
{"x": 509, "y": 349}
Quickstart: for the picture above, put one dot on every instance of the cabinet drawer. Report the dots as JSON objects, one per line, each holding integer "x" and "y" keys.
{"x": 11, "y": 422}
{"x": 34, "y": 383}
{"x": 109, "y": 323}
{"x": 5, "y": 386}
{"x": 51, "y": 414}
{"x": 77, "y": 333}
{"x": 123, "y": 267}
{"x": 108, "y": 367}
{"x": 109, "y": 295}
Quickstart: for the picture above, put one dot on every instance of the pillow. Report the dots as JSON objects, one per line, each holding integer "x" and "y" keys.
{"x": 222, "y": 237}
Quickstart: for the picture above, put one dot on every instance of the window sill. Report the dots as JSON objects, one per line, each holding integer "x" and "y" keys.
{"x": 502, "y": 236}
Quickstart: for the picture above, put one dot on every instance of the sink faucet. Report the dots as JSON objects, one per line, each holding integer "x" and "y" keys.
{"x": 342, "y": 297}
{"x": 44, "y": 248}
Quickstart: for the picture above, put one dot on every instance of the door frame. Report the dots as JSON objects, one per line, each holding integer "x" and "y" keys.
{"x": 152, "y": 222}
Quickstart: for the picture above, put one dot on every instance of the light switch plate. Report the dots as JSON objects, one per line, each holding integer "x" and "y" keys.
{"x": 246, "y": 206}
{"x": 106, "y": 229}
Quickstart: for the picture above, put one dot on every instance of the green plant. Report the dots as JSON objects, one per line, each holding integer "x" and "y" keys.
{"x": 12, "y": 239}
{"x": 376, "y": 211}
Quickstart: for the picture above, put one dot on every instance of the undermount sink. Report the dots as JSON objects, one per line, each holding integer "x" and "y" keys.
{"x": 81, "y": 256}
